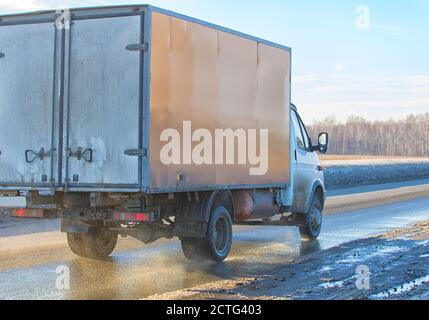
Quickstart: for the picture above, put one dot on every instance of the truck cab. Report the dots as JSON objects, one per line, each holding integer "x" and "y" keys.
{"x": 308, "y": 189}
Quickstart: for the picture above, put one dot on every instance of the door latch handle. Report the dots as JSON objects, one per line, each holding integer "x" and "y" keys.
{"x": 31, "y": 156}
{"x": 2, "y": 55}
{"x": 138, "y": 47}
{"x": 80, "y": 154}
{"x": 141, "y": 153}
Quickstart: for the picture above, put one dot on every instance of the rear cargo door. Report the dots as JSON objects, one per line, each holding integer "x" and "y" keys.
{"x": 103, "y": 96}
{"x": 27, "y": 143}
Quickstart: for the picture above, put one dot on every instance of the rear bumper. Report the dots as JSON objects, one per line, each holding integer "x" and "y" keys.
{"x": 13, "y": 202}
{"x": 21, "y": 208}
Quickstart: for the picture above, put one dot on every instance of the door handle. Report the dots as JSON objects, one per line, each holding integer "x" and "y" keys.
{"x": 2, "y": 55}
{"x": 31, "y": 156}
{"x": 80, "y": 154}
{"x": 141, "y": 153}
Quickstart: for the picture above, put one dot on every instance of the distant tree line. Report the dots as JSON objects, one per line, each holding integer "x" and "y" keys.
{"x": 358, "y": 136}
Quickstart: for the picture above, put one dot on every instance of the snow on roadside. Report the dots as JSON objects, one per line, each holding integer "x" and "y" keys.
{"x": 373, "y": 162}
{"x": 352, "y": 173}
{"x": 401, "y": 289}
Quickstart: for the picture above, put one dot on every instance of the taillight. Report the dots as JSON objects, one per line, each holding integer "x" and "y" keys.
{"x": 132, "y": 217}
{"x": 28, "y": 213}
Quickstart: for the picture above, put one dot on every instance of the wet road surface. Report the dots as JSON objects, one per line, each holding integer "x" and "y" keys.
{"x": 30, "y": 254}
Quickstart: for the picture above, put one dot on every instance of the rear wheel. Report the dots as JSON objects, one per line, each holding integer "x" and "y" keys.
{"x": 99, "y": 243}
{"x": 217, "y": 244}
{"x": 313, "y": 221}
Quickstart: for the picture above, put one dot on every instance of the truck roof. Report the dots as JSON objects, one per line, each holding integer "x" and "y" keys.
{"x": 48, "y": 15}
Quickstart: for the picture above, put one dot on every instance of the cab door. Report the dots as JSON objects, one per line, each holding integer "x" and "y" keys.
{"x": 307, "y": 165}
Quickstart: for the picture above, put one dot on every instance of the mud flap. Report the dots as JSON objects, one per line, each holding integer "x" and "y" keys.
{"x": 69, "y": 225}
{"x": 194, "y": 216}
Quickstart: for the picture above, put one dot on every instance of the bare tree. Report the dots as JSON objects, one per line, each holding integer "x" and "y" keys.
{"x": 358, "y": 136}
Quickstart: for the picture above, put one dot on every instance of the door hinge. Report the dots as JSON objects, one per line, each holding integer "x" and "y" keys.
{"x": 63, "y": 20}
{"x": 138, "y": 47}
{"x": 141, "y": 153}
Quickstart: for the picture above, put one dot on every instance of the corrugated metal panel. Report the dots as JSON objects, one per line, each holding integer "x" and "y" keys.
{"x": 217, "y": 80}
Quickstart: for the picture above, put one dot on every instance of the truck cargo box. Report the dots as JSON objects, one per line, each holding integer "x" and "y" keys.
{"x": 86, "y": 94}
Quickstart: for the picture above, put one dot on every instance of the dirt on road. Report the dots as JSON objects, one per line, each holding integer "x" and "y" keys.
{"x": 392, "y": 266}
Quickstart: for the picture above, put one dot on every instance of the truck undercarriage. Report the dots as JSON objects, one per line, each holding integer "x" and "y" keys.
{"x": 94, "y": 221}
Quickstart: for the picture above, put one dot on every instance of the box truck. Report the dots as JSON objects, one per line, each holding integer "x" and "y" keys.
{"x": 137, "y": 121}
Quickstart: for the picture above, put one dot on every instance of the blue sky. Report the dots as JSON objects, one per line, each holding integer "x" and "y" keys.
{"x": 338, "y": 69}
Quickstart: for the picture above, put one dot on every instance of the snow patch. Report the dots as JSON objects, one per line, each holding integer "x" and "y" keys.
{"x": 401, "y": 289}
{"x": 330, "y": 285}
{"x": 361, "y": 255}
{"x": 423, "y": 243}
{"x": 336, "y": 284}
{"x": 339, "y": 173}
{"x": 326, "y": 269}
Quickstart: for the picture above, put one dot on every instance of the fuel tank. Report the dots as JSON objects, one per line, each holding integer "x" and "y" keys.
{"x": 255, "y": 205}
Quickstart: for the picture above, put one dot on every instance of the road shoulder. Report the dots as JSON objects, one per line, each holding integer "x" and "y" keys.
{"x": 391, "y": 266}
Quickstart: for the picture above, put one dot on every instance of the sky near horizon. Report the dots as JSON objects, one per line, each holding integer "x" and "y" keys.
{"x": 367, "y": 58}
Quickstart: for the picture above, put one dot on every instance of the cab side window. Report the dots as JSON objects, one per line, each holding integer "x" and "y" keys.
{"x": 305, "y": 135}
{"x": 298, "y": 132}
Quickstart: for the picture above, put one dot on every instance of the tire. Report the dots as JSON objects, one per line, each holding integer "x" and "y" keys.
{"x": 313, "y": 221}
{"x": 97, "y": 244}
{"x": 216, "y": 246}
{"x": 75, "y": 243}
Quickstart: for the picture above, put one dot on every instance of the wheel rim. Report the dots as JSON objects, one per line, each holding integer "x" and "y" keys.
{"x": 316, "y": 220}
{"x": 220, "y": 235}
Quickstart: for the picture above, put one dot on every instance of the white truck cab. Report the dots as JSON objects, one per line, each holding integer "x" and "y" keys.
{"x": 307, "y": 177}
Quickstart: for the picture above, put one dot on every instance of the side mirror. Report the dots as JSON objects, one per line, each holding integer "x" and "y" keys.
{"x": 323, "y": 143}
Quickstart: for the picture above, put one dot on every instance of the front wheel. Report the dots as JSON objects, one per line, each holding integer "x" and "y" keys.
{"x": 99, "y": 243}
{"x": 217, "y": 244}
{"x": 312, "y": 226}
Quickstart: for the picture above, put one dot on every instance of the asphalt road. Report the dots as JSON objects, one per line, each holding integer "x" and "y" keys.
{"x": 31, "y": 251}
